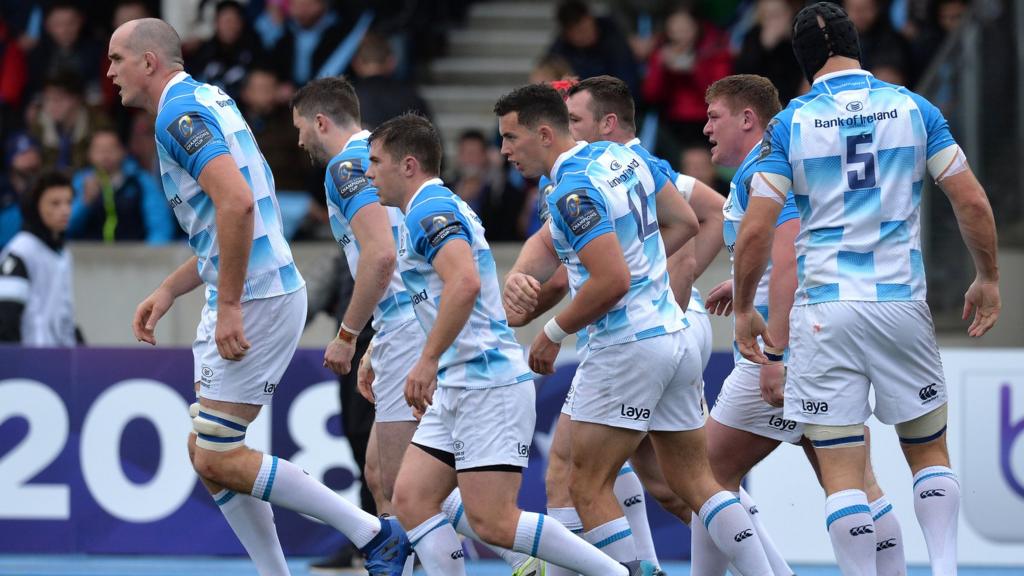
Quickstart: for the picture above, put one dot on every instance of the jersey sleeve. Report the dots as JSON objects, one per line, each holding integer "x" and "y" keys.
{"x": 348, "y": 187}
{"x": 661, "y": 176}
{"x": 190, "y": 134}
{"x": 580, "y": 213}
{"x": 789, "y": 211}
{"x": 773, "y": 154}
{"x": 544, "y": 189}
{"x": 939, "y": 136}
{"x": 434, "y": 223}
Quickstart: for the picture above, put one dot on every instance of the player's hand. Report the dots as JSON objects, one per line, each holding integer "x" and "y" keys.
{"x": 365, "y": 377}
{"x": 543, "y": 353}
{"x": 230, "y": 334}
{"x": 421, "y": 383}
{"x": 750, "y": 325}
{"x": 719, "y": 300}
{"x": 338, "y": 356}
{"x": 521, "y": 293}
{"x": 773, "y": 383}
{"x": 982, "y": 300}
{"x": 149, "y": 313}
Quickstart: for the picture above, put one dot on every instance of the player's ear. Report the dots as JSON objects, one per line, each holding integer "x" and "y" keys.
{"x": 547, "y": 135}
{"x": 409, "y": 165}
{"x": 749, "y": 119}
{"x": 150, "y": 59}
{"x": 608, "y": 123}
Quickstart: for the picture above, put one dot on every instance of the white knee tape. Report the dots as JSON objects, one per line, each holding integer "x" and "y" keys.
{"x": 218, "y": 431}
{"x": 924, "y": 428}
{"x": 835, "y": 436}
{"x": 193, "y": 410}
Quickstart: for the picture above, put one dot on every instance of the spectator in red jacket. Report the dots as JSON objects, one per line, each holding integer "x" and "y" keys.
{"x": 13, "y": 77}
{"x": 692, "y": 56}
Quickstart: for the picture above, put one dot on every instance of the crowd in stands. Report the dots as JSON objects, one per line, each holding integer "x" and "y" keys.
{"x": 58, "y": 112}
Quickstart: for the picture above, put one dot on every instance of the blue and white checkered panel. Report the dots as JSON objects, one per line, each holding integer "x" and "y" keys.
{"x": 859, "y": 161}
{"x": 626, "y": 186}
{"x": 485, "y": 353}
{"x": 271, "y": 270}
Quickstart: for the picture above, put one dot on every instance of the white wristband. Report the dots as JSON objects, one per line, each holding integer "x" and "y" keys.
{"x": 554, "y": 332}
{"x": 349, "y": 330}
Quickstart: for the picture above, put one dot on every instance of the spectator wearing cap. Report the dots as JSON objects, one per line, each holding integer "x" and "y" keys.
{"x": 593, "y": 45}
{"x": 65, "y": 124}
{"x": 116, "y": 200}
{"x": 36, "y": 305}
{"x": 24, "y": 163}
{"x": 382, "y": 96}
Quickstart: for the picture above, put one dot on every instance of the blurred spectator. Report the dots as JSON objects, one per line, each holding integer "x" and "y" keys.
{"x": 478, "y": 180}
{"x": 224, "y": 59}
{"x": 768, "y": 50}
{"x": 116, "y": 200}
{"x": 696, "y": 161}
{"x": 271, "y": 125}
{"x": 642, "y": 20}
{"x": 304, "y": 43}
{"x": 36, "y": 306}
{"x": 128, "y": 10}
{"x": 694, "y": 54}
{"x": 944, "y": 18}
{"x": 13, "y": 78}
{"x": 550, "y": 68}
{"x": 23, "y": 164}
{"x": 880, "y": 44}
{"x": 593, "y": 46}
{"x": 381, "y": 95}
{"x": 64, "y": 123}
{"x": 65, "y": 47}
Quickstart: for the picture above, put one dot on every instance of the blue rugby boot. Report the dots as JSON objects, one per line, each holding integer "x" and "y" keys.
{"x": 386, "y": 553}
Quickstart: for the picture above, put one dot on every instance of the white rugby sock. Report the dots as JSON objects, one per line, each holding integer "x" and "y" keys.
{"x": 543, "y": 537}
{"x": 779, "y": 565}
{"x": 705, "y": 557}
{"x": 614, "y": 539}
{"x": 733, "y": 532}
{"x": 569, "y": 518}
{"x": 889, "y": 558}
{"x": 937, "y": 505}
{"x": 630, "y": 493}
{"x": 284, "y": 484}
{"x": 253, "y": 523}
{"x": 438, "y": 547}
{"x": 452, "y": 508}
{"x": 852, "y": 532}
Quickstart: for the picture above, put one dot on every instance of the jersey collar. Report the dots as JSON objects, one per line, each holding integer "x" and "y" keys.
{"x": 180, "y": 76}
{"x": 431, "y": 182}
{"x": 822, "y": 82}
{"x": 361, "y": 135}
{"x": 632, "y": 143}
{"x": 563, "y": 157}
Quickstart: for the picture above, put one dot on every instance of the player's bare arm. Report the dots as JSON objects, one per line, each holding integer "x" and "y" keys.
{"x": 183, "y": 280}
{"x": 707, "y": 206}
{"x": 753, "y": 247}
{"x": 676, "y": 220}
{"x": 536, "y": 263}
{"x": 782, "y": 283}
{"x": 223, "y": 182}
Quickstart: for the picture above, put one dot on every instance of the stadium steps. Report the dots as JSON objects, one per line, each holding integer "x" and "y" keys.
{"x": 494, "y": 53}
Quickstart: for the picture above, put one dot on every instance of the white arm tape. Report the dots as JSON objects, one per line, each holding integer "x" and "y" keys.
{"x": 554, "y": 332}
{"x": 684, "y": 184}
{"x": 947, "y": 162}
{"x": 767, "y": 185}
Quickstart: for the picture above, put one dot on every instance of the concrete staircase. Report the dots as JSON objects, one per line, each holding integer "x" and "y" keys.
{"x": 493, "y": 54}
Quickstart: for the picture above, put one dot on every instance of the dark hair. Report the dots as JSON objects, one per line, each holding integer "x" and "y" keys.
{"x": 235, "y": 5}
{"x": 473, "y": 134}
{"x": 609, "y": 95}
{"x": 411, "y": 135}
{"x": 65, "y": 79}
{"x": 535, "y": 104}
{"x": 63, "y": 5}
{"x": 747, "y": 91}
{"x": 106, "y": 129}
{"x": 32, "y": 221}
{"x": 333, "y": 97}
{"x": 570, "y": 12}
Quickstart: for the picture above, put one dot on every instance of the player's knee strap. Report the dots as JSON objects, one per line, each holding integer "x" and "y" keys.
{"x": 924, "y": 429}
{"x": 835, "y": 436}
{"x": 218, "y": 431}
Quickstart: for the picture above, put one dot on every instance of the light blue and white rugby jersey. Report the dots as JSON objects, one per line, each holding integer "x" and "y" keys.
{"x": 485, "y": 354}
{"x": 348, "y": 189}
{"x": 856, "y": 150}
{"x": 195, "y": 123}
{"x": 684, "y": 184}
{"x": 607, "y": 188}
{"x": 734, "y": 209}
